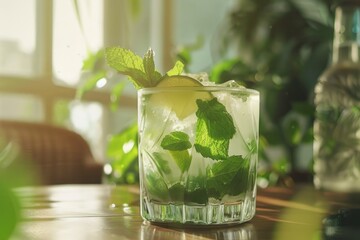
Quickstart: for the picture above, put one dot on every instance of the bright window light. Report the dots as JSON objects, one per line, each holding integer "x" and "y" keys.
{"x": 73, "y": 39}
{"x": 17, "y": 37}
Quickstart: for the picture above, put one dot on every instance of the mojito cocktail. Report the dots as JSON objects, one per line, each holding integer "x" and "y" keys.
{"x": 198, "y": 149}
{"x": 198, "y": 152}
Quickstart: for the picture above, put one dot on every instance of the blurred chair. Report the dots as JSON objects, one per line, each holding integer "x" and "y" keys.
{"x": 59, "y": 156}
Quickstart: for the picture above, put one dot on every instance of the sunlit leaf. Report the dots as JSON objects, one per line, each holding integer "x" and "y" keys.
{"x": 90, "y": 83}
{"x": 123, "y": 151}
{"x": 92, "y": 60}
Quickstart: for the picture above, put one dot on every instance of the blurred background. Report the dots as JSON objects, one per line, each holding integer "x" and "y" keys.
{"x": 52, "y": 69}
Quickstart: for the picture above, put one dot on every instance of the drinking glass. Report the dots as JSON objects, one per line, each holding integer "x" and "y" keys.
{"x": 198, "y": 154}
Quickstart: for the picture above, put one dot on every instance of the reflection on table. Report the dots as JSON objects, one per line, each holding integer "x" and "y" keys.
{"x": 109, "y": 212}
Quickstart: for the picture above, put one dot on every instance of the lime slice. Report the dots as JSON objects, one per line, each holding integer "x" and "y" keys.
{"x": 183, "y": 102}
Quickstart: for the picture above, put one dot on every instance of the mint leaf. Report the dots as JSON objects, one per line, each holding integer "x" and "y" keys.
{"x": 177, "y": 69}
{"x": 182, "y": 159}
{"x": 224, "y": 171}
{"x": 242, "y": 180}
{"x": 149, "y": 66}
{"x": 156, "y": 187}
{"x": 219, "y": 122}
{"x": 196, "y": 189}
{"x": 228, "y": 176}
{"x": 128, "y": 63}
{"x": 176, "y": 141}
{"x": 207, "y": 146}
{"x": 214, "y": 129}
{"x": 176, "y": 193}
{"x": 141, "y": 71}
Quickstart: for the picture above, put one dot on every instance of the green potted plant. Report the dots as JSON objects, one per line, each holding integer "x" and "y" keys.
{"x": 282, "y": 47}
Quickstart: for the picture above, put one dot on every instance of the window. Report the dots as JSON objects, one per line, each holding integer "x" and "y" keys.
{"x": 41, "y": 65}
{"x": 191, "y": 29}
{"x": 77, "y": 30}
{"x": 17, "y": 43}
{"x": 43, "y": 45}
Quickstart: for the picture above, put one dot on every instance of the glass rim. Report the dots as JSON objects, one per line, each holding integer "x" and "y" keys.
{"x": 150, "y": 90}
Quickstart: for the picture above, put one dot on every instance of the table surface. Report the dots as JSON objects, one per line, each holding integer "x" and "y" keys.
{"x": 109, "y": 212}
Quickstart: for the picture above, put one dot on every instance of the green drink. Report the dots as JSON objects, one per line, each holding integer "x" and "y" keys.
{"x": 198, "y": 150}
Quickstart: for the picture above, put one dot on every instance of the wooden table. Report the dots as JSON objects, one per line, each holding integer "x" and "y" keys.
{"x": 108, "y": 212}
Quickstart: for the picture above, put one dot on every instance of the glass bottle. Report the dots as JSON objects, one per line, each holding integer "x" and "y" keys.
{"x": 337, "y": 102}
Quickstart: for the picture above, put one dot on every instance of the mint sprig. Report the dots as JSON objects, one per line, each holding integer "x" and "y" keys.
{"x": 127, "y": 63}
{"x": 214, "y": 130}
{"x": 141, "y": 71}
{"x": 149, "y": 66}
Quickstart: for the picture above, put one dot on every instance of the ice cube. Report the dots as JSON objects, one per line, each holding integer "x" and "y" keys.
{"x": 232, "y": 84}
{"x": 245, "y": 114}
{"x": 242, "y": 94}
{"x": 155, "y": 122}
{"x": 201, "y": 77}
